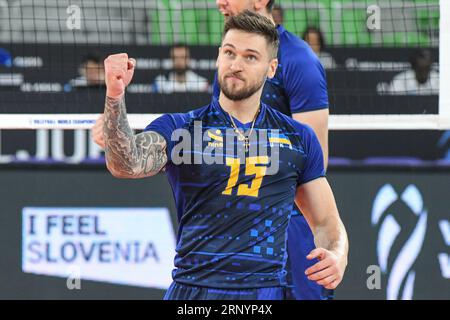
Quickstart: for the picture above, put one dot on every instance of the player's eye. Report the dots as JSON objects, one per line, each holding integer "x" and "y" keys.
{"x": 251, "y": 58}
{"x": 228, "y": 53}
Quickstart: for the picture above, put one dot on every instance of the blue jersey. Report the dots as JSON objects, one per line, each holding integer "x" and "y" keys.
{"x": 232, "y": 216}
{"x": 299, "y": 84}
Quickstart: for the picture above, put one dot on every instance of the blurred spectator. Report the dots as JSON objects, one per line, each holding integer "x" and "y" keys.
{"x": 278, "y": 14}
{"x": 91, "y": 71}
{"x": 421, "y": 79}
{"x": 314, "y": 37}
{"x": 181, "y": 79}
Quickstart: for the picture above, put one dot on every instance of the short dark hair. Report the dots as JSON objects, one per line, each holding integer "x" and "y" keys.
{"x": 251, "y": 22}
{"x": 178, "y": 45}
{"x": 312, "y": 29}
{"x": 94, "y": 57}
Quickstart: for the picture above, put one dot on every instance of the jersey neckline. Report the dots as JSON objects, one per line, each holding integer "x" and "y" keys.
{"x": 225, "y": 116}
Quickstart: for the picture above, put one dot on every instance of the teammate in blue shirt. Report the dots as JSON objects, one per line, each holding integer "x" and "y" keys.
{"x": 299, "y": 90}
{"x": 233, "y": 211}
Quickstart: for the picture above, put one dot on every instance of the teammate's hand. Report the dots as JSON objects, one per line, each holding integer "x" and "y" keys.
{"x": 119, "y": 70}
{"x": 330, "y": 269}
{"x": 97, "y": 131}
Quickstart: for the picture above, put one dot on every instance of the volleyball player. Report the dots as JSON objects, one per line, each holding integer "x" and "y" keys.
{"x": 299, "y": 90}
{"x": 233, "y": 217}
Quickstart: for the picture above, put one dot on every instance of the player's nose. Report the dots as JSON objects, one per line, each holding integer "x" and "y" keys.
{"x": 236, "y": 65}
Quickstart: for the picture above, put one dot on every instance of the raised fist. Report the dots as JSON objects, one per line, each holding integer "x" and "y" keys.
{"x": 119, "y": 70}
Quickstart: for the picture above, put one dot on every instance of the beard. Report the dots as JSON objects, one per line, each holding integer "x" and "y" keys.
{"x": 234, "y": 94}
{"x": 180, "y": 71}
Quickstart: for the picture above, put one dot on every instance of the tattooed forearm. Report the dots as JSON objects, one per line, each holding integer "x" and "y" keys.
{"x": 129, "y": 155}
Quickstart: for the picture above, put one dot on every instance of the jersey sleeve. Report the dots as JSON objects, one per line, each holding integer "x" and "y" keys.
{"x": 313, "y": 167}
{"x": 305, "y": 83}
{"x": 165, "y": 126}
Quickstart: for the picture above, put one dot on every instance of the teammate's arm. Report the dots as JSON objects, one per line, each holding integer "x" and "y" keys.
{"x": 97, "y": 131}
{"x": 127, "y": 155}
{"x": 306, "y": 86}
{"x": 316, "y": 201}
{"x": 318, "y": 121}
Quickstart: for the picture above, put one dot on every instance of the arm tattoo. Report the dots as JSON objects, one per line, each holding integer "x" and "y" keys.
{"x": 129, "y": 155}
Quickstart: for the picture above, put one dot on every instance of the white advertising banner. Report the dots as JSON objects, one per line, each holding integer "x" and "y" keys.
{"x": 128, "y": 246}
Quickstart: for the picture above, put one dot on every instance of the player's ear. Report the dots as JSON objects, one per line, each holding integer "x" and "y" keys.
{"x": 272, "y": 68}
{"x": 217, "y": 60}
{"x": 258, "y": 5}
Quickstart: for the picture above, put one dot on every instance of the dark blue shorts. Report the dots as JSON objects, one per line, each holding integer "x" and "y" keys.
{"x": 300, "y": 243}
{"x": 178, "y": 291}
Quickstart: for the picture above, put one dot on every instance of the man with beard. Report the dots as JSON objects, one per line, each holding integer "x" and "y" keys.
{"x": 181, "y": 79}
{"x": 299, "y": 90}
{"x": 233, "y": 214}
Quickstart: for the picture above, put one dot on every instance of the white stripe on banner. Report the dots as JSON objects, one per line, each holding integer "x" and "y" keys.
{"x": 140, "y": 121}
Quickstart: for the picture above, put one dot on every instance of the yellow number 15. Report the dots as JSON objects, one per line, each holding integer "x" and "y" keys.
{"x": 250, "y": 169}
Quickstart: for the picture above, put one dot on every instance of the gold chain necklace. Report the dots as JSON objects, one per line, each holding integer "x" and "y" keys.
{"x": 241, "y": 135}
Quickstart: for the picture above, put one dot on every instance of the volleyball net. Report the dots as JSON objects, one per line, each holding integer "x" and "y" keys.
{"x": 387, "y": 61}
